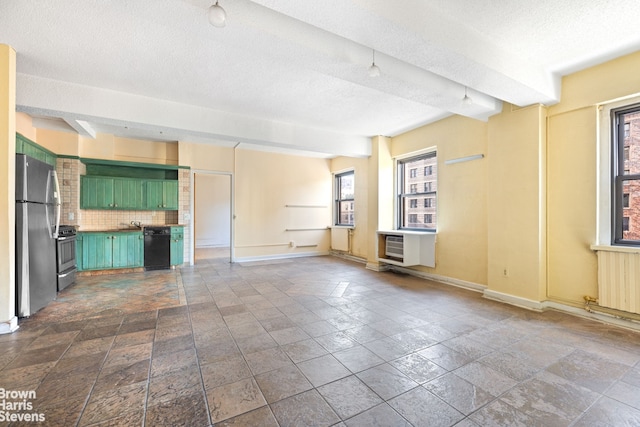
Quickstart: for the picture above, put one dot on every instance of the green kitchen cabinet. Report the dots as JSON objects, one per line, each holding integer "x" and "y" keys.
{"x": 177, "y": 245}
{"x": 161, "y": 194}
{"x": 128, "y": 250}
{"x": 98, "y": 192}
{"x": 94, "y": 251}
{"x": 107, "y": 250}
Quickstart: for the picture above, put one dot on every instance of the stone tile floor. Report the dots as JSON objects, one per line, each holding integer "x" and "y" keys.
{"x": 312, "y": 342}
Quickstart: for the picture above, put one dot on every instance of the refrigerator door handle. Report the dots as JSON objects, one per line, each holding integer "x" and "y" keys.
{"x": 56, "y": 196}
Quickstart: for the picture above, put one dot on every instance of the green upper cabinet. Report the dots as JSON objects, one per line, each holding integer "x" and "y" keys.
{"x": 98, "y": 192}
{"x": 128, "y": 193}
{"x": 162, "y": 194}
{"x": 25, "y": 146}
{"x": 177, "y": 245}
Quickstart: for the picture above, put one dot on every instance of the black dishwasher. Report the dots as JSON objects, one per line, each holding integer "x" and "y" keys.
{"x": 157, "y": 248}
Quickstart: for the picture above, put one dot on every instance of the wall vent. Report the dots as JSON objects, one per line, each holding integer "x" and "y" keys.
{"x": 394, "y": 246}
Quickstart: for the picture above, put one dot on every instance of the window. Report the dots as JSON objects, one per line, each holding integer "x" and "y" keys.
{"x": 344, "y": 191}
{"x": 413, "y": 173}
{"x": 411, "y": 214}
{"x": 626, "y": 172}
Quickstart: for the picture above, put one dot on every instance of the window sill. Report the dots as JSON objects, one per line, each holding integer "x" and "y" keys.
{"x": 616, "y": 248}
{"x": 407, "y": 232}
{"x": 348, "y": 227}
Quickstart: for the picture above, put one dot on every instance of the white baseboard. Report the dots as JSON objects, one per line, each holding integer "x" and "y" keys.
{"x": 344, "y": 255}
{"x": 600, "y": 317}
{"x": 279, "y": 256}
{"x": 9, "y": 326}
{"x": 442, "y": 279}
{"x": 514, "y": 300}
{"x": 377, "y": 266}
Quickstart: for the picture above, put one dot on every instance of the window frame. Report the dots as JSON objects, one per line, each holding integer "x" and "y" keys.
{"x": 402, "y": 193}
{"x": 337, "y": 178}
{"x": 620, "y": 154}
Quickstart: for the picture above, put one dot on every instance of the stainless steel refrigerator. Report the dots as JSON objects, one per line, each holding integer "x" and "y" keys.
{"x": 37, "y": 221}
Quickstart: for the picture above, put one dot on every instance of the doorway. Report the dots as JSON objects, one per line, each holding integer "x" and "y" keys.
{"x": 212, "y": 221}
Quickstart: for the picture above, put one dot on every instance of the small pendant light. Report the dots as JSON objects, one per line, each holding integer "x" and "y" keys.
{"x": 217, "y": 16}
{"x": 466, "y": 100}
{"x": 374, "y": 70}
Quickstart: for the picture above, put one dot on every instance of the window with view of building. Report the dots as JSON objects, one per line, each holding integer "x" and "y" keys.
{"x": 626, "y": 167}
{"x": 417, "y": 215}
{"x": 344, "y": 191}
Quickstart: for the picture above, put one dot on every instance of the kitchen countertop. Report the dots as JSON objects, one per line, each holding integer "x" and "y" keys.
{"x": 129, "y": 230}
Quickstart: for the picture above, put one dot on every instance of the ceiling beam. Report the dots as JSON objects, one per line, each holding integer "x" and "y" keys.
{"x": 82, "y": 127}
{"x": 40, "y": 95}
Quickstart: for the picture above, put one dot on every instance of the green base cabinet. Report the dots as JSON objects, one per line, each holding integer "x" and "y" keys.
{"x": 102, "y": 250}
{"x": 177, "y": 245}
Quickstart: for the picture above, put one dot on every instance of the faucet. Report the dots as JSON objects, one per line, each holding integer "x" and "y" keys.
{"x": 136, "y": 224}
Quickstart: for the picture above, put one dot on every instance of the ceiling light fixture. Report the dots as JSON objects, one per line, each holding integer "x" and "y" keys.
{"x": 217, "y": 16}
{"x": 374, "y": 70}
{"x": 466, "y": 100}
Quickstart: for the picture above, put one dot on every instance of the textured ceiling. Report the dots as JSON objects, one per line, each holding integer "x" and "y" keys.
{"x": 291, "y": 75}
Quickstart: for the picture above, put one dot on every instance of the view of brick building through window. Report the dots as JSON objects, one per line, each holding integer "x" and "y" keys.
{"x": 631, "y": 187}
{"x": 420, "y": 183}
{"x": 345, "y": 198}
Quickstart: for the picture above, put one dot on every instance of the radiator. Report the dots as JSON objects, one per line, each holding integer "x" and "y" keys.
{"x": 619, "y": 280}
{"x": 340, "y": 239}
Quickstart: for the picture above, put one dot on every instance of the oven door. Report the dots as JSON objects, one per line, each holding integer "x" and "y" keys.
{"x": 66, "y": 247}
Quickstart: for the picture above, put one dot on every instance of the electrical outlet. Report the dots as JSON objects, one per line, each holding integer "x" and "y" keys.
{"x": 71, "y": 216}
{"x": 292, "y": 244}
{"x": 505, "y": 272}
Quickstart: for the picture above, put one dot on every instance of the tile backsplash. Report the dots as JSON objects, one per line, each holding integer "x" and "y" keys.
{"x": 110, "y": 220}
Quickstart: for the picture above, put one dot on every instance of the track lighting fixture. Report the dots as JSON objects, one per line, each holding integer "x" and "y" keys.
{"x": 217, "y": 16}
{"x": 374, "y": 70}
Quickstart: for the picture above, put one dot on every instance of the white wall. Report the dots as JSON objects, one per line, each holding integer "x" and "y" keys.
{"x": 212, "y": 210}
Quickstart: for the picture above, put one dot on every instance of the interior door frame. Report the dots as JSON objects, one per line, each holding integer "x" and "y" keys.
{"x": 192, "y": 228}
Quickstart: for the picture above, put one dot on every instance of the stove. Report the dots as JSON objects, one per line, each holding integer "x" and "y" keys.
{"x": 66, "y": 256}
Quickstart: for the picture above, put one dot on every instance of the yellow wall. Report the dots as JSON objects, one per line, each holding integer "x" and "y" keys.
{"x": 206, "y": 157}
{"x": 24, "y": 126}
{"x": 61, "y": 143}
{"x": 461, "y": 248}
{"x": 515, "y": 200}
{"x": 276, "y": 192}
{"x": 572, "y": 174}
{"x": 7, "y": 186}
